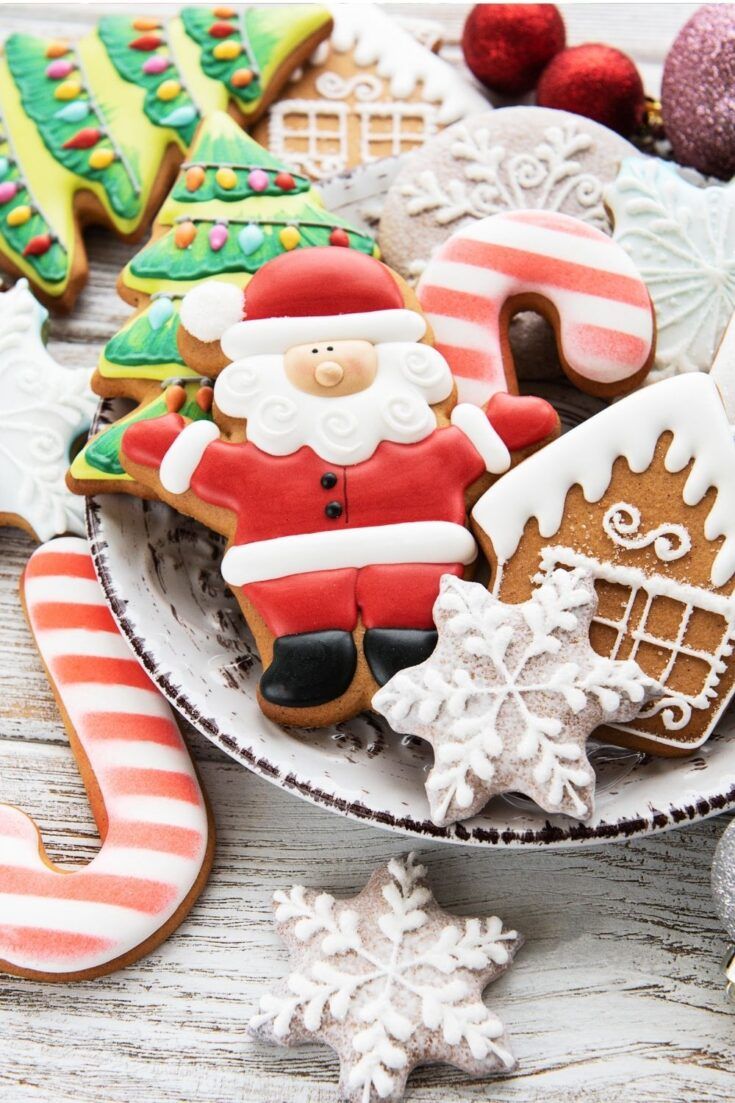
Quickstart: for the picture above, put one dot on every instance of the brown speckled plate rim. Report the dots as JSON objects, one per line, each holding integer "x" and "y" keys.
{"x": 575, "y": 834}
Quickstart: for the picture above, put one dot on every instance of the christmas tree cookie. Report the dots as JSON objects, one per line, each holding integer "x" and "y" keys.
{"x": 232, "y": 208}
{"x": 92, "y": 132}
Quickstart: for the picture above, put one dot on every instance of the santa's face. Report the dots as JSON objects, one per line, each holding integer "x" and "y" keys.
{"x": 332, "y": 369}
{"x": 385, "y": 392}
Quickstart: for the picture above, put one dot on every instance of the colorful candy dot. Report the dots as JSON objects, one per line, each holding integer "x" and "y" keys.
{"x": 159, "y": 63}
{"x": 67, "y": 90}
{"x": 19, "y": 215}
{"x": 376, "y": 251}
{"x": 8, "y": 191}
{"x": 221, "y": 30}
{"x": 224, "y": 12}
{"x": 159, "y": 312}
{"x": 168, "y": 90}
{"x": 204, "y": 398}
{"x": 73, "y": 112}
{"x": 101, "y": 158}
{"x": 339, "y": 236}
{"x": 57, "y": 48}
{"x": 285, "y": 181}
{"x": 85, "y": 138}
{"x": 194, "y": 178}
{"x": 146, "y": 23}
{"x": 258, "y": 180}
{"x": 226, "y": 178}
{"x": 289, "y": 237}
{"x": 146, "y": 43}
{"x": 227, "y": 51}
{"x": 250, "y": 239}
{"x": 180, "y": 116}
{"x": 59, "y": 69}
{"x": 217, "y": 237}
{"x": 241, "y": 78}
{"x": 38, "y": 245}
{"x": 184, "y": 234}
{"x": 175, "y": 397}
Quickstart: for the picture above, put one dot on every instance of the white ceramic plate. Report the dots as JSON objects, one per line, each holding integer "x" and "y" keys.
{"x": 160, "y": 573}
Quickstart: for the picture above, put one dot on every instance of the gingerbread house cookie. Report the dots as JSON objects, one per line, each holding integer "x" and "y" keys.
{"x": 643, "y": 496}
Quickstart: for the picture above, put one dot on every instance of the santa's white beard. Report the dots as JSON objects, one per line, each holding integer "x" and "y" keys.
{"x": 344, "y": 430}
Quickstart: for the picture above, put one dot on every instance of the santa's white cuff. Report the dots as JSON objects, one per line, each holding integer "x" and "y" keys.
{"x": 476, "y": 427}
{"x": 185, "y": 454}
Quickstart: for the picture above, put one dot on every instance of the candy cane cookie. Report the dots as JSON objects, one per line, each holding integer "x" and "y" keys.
{"x": 156, "y": 831}
{"x": 581, "y": 280}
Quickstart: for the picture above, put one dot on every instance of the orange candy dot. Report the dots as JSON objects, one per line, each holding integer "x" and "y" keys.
{"x": 175, "y": 397}
{"x": 184, "y": 234}
{"x": 224, "y": 13}
{"x": 194, "y": 177}
{"x": 241, "y": 78}
{"x": 146, "y": 23}
{"x": 57, "y": 48}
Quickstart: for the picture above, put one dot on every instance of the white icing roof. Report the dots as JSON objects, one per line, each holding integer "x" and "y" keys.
{"x": 376, "y": 38}
{"x": 689, "y": 406}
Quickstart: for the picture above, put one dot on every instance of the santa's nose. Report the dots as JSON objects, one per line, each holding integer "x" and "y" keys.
{"x": 329, "y": 373}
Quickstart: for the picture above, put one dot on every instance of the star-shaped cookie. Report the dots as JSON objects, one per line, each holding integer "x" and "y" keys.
{"x": 44, "y": 408}
{"x": 511, "y": 694}
{"x": 682, "y": 240}
{"x": 390, "y": 981}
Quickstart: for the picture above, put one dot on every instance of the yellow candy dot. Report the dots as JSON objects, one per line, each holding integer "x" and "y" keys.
{"x": 67, "y": 90}
{"x": 376, "y": 251}
{"x": 226, "y": 178}
{"x": 289, "y": 237}
{"x": 101, "y": 158}
{"x": 227, "y": 50}
{"x": 168, "y": 90}
{"x": 19, "y": 215}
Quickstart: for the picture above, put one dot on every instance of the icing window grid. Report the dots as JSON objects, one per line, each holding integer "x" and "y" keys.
{"x": 319, "y": 144}
{"x": 675, "y": 706}
{"x": 396, "y": 136}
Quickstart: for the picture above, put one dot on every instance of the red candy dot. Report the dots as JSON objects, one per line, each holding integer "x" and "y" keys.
{"x": 285, "y": 181}
{"x": 339, "y": 236}
{"x": 146, "y": 42}
{"x": 38, "y": 245}
{"x": 221, "y": 30}
{"x": 83, "y": 139}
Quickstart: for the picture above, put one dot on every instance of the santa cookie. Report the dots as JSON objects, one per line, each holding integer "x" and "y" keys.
{"x": 338, "y": 466}
{"x": 642, "y": 496}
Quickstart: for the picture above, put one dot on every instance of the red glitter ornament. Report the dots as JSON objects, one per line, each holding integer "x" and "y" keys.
{"x": 598, "y": 82}
{"x": 85, "y": 138}
{"x": 507, "y": 45}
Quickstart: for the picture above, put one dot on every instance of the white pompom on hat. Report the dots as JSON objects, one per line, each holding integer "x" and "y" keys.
{"x": 210, "y": 309}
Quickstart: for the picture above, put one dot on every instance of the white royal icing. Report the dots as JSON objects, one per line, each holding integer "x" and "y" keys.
{"x": 510, "y": 695}
{"x": 389, "y": 981}
{"x": 211, "y": 308}
{"x": 184, "y": 455}
{"x": 370, "y": 545}
{"x": 475, "y": 425}
{"x": 688, "y": 407}
{"x": 44, "y": 408}
{"x": 313, "y": 134}
{"x": 682, "y": 239}
{"x": 268, "y": 335}
{"x": 622, "y": 524}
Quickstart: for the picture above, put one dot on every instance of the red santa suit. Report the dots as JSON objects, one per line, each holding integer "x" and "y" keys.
{"x": 316, "y": 544}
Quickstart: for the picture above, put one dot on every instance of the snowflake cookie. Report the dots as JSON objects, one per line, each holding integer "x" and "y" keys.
{"x": 45, "y": 407}
{"x": 510, "y": 696}
{"x": 389, "y": 981}
{"x": 682, "y": 240}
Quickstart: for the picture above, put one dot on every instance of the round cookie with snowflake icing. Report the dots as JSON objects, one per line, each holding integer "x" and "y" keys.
{"x": 511, "y": 159}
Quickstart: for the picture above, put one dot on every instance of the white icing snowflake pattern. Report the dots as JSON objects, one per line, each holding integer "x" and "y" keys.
{"x": 545, "y": 177}
{"x": 45, "y": 407}
{"x": 389, "y": 981}
{"x": 682, "y": 239}
{"x": 510, "y": 696}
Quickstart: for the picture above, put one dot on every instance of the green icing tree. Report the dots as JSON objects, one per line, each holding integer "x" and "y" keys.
{"x": 232, "y": 209}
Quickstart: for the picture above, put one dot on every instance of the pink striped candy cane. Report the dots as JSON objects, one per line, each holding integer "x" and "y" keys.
{"x": 581, "y": 279}
{"x": 157, "y": 843}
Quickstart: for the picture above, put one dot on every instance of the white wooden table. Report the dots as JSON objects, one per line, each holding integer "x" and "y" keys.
{"x": 616, "y": 997}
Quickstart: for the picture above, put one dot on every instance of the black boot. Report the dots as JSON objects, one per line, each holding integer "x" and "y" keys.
{"x": 389, "y": 650}
{"x": 309, "y": 669}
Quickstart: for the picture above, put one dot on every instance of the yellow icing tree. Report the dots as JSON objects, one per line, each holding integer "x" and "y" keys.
{"x": 95, "y": 130}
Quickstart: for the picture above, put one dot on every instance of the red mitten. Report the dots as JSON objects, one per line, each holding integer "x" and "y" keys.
{"x": 147, "y": 442}
{"x": 521, "y": 420}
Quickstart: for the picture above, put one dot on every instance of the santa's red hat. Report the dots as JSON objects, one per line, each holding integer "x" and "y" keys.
{"x": 312, "y": 294}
